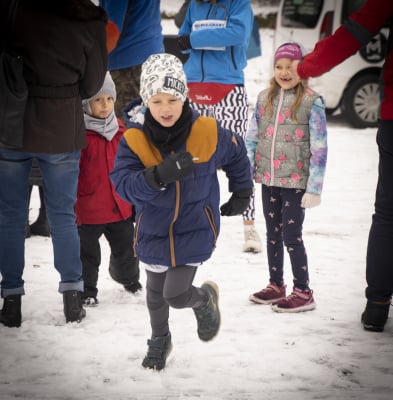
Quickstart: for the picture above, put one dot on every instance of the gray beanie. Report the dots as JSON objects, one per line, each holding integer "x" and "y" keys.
{"x": 108, "y": 87}
{"x": 163, "y": 73}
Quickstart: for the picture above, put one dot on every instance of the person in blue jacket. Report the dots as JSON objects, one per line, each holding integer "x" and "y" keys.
{"x": 139, "y": 24}
{"x": 166, "y": 165}
{"x": 216, "y": 34}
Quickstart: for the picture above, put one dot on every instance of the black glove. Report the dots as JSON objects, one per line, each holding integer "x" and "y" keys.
{"x": 237, "y": 204}
{"x": 175, "y": 167}
{"x": 183, "y": 42}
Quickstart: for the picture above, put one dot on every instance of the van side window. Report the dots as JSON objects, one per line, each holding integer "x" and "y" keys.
{"x": 301, "y": 13}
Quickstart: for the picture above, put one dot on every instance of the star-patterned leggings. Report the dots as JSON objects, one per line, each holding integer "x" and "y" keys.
{"x": 284, "y": 223}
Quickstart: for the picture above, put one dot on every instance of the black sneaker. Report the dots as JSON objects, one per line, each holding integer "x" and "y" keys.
{"x": 375, "y": 315}
{"x": 157, "y": 352}
{"x": 133, "y": 287}
{"x": 208, "y": 315}
{"x": 11, "y": 314}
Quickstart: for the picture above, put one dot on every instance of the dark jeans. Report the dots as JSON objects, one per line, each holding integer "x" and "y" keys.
{"x": 123, "y": 265}
{"x": 171, "y": 288}
{"x": 379, "y": 270}
{"x": 284, "y": 224}
{"x": 60, "y": 179}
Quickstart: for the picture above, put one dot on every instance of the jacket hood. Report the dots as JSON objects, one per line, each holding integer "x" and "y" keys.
{"x": 134, "y": 113}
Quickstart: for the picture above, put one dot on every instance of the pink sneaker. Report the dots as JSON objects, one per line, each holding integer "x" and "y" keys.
{"x": 269, "y": 295}
{"x": 297, "y": 301}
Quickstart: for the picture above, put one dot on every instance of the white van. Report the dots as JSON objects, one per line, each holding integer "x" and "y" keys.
{"x": 353, "y": 86}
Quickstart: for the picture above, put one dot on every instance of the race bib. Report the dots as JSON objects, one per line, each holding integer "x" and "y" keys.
{"x": 209, "y": 24}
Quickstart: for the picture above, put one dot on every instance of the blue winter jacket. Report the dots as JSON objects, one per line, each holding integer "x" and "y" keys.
{"x": 142, "y": 35}
{"x": 218, "y": 54}
{"x": 180, "y": 224}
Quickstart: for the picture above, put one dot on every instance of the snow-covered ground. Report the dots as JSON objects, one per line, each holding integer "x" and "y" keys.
{"x": 258, "y": 354}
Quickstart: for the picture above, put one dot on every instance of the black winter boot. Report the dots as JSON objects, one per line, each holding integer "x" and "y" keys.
{"x": 375, "y": 315}
{"x": 28, "y": 233}
{"x": 73, "y": 309}
{"x": 208, "y": 315}
{"x": 121, "y": 274}
{"x": 158, "y": 351}
{"x": 11, "y": 314}
{"x": 41, "y": 227}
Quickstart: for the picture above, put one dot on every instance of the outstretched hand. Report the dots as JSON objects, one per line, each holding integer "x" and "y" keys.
{"x": 293, "y": 69}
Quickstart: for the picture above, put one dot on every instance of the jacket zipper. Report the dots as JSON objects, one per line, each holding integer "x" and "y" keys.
{"x": 136, "y": 232}
{"x": 203, "y": 51}
{"x": 174, "y": 219}
{"x": 274, "y": 136}
{"x": 233, "y": 57}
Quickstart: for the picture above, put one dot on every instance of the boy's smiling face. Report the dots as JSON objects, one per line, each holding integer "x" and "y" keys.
{"x": 165, "y": 109}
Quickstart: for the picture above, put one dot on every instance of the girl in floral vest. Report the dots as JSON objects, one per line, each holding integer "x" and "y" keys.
{"x": 287, "y": 147}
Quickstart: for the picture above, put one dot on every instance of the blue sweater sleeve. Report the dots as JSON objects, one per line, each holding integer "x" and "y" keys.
{"x": 141, "y": 31}
{"x": 116, "y": 11}
{"x": 318, "y": 147}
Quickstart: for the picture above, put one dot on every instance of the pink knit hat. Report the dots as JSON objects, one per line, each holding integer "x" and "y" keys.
{"x": 293, "y": 51}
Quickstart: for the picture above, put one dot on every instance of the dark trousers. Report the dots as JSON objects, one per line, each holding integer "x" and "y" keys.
{"x": 171, "y": 288}
{"x": 127, "y": 82}
{"x": 379, "y": 270}
{"x": 284, "y": 224}
{"x": 123, "y": 265}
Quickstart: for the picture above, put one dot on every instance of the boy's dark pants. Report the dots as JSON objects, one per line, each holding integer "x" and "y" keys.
{"x": 127, "y": 82}
{"x": 171, "y": 288}
{"x": 123, "y": 265}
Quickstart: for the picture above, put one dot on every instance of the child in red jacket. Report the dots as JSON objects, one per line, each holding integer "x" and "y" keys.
{"x": 99, "y": 210}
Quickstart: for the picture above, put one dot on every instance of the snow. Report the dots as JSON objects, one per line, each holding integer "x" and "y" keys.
{"x": 258, "y": 354}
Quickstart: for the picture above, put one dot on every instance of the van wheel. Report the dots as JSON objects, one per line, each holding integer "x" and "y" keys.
{"x": 361, "y": 102}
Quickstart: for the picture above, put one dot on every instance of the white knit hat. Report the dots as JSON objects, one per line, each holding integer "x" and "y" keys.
{"x": 108, "y": 87}
{"x": 163, "y": 73}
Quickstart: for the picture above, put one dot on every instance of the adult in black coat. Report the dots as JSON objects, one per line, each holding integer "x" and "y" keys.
{"x": 63, "y": 47}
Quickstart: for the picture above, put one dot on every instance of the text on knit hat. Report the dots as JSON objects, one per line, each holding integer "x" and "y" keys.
{"x": 291, "y": 51}
{"x": 163, "y": 73}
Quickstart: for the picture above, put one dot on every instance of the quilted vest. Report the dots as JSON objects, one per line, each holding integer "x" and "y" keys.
{"x": 282, "y": 156}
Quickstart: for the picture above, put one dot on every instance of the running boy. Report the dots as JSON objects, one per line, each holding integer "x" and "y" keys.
{"x": 166, "y": 166}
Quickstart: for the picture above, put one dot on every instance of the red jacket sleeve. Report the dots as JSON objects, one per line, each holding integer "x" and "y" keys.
{"x": 343, "y": 43}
